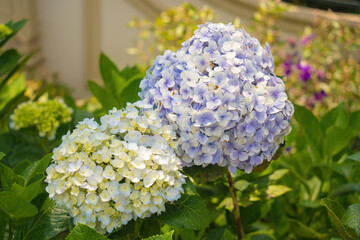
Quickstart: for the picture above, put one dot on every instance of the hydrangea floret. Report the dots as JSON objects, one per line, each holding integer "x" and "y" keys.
{"x": 221, "y": 91}
{"x": 123, "y": 169}
{"x": 45, "y": 115}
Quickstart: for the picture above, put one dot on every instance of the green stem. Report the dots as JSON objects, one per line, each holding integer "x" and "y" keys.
{"x": 239, "y": 229}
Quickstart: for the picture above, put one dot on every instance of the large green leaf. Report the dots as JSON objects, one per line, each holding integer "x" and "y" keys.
{"x": 37, "y": 168}
{"x": 336, "y": 117}
{"x": 336, "y": 212}
{"x": 336, "y": 139}
{"x": 49, "y": 225}
{"x": 83, "y": 232}
{"x": 355, "y": 123}
{"x": 209, "y": 173}
{"x": 345, "y": 189}
{"x": 303, "y": 231}
{"x": 311, "y": 128}
{"x": 19, "y": 147}
{"x": 351, "y": 217}
{"x": 220, "y": 233}
{"x": 109, "y": 72}
{"x": 103, "y": 96}
{"x": 8, "y": 61}
{"x": 149, "y": 227}
{"x": 166, "y": 236}
{"x": 188, "y": 212}
{"x": 30, "y": 192}
{"x": 8, "y": 178}
{"x": 15, "y": 27}
{"x": 12, "y": 89}
{"x": 14, "y": 209}
{"x": 276, "y": 190}
{"x": 130, "y": 92}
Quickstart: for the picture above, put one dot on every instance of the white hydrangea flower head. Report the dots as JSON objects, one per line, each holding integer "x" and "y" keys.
{"x": 109, "y": 174}
{"x": 221, "y": 91}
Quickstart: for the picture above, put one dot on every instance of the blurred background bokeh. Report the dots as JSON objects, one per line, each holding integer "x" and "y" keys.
{"x": 68, "y": 36}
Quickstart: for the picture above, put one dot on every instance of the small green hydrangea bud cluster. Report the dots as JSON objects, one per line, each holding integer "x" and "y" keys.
{"x": 46, "y": 116}
{"x": 123, "y": 169}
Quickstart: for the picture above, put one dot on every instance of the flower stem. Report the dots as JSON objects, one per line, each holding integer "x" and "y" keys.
{"x": 239, "y": 230}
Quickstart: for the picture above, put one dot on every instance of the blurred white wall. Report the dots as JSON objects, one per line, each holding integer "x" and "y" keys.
{"x": 69, "y": 35}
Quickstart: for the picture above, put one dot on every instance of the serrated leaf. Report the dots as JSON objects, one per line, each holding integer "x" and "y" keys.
{"x": 166, "y": 236}
{"x": 188, "y": 212}
{"x": 277, "y": 190}
{"x": 351, "y": 217}
{"x": 106, "y": 99}
{"x": 36, "y": 168}
{"x": 335, "y": 212}
{"x": 189, "y": 187}
{"x": 209, "y": 173}
{"x": 303, "y": 231}
{"x": 8, "y": 178}
{"x": 14, "y": 209}
{"x": 220, "y": 233}
{"x": 83, "y": 232}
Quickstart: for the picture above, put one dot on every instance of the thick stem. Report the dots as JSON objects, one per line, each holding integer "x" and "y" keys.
{"x": 239, "y": 230}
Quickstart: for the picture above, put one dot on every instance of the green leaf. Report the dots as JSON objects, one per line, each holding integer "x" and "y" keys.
{"x": 209, "y": 173}
{"x": 8, "y": 177}
{"x": 149, "y": 227}
{"x": 188, "y": 212}
{"x": 241, "y": 185}
{"x": 260, "y": 235}
{"x": 345, "y": 189}
{"x": 109, "y": 72}
{"x": 335, "y": 212}
{"x": 189, "y": 187}
{"x": 18, "y": 147}
{"x": 8, "y": 61}
{"x": 336, "y": 139}
{"x": 130, "y": 93}
{"x": 2, "y": 155}
{"x": 12, "y": 89}
{"x": 36, "y": 168}
{"x": 2, "y": 228}
{"x": 276, "y": 190}
{"x": 355, "y": 157}
{"x": 83, "y": 232}
{"x": 49, "y": 225}
{"x": 220, "y": 233}
{"x": 278, "y": 174}
{"x": 30, "y": 192}
{"x": 303, "y": 231}
{"x": 80, "y": 115}
{"x": 336, "y": 117}
{"x": 106, "y": 99}
{"x": 351, "y": 217}
{"x": 21, "y": 166}
{"x": 15, "y": 27}
{"x": 166, "y": 236}
{"x": 355, "y": 123}
{"x": 311, "y": 128}
{"x": 14, "y": 209}
{"x": 254, "y": 212}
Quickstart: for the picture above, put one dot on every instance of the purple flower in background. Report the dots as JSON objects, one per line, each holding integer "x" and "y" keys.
{"x": 320, "y": 95}
{"x": 287, "y": 65}
{"x": 305, "y": 72}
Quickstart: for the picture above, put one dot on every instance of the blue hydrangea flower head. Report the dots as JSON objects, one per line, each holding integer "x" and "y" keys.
{"x": 221, "y": 92}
